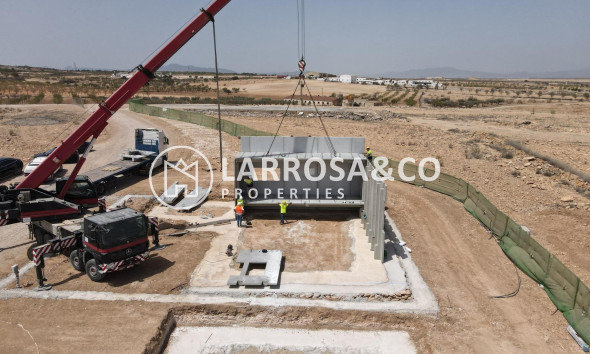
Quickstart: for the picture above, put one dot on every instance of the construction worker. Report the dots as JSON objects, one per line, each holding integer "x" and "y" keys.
{"x": 283, "y": 207}
{"x": 239, "y": 213}
{"x": 369, "y": 154}
{"x": 249, "y": 182}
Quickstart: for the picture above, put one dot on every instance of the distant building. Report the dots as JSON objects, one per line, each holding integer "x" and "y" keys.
{"x": 122, "y": 75}
{"x": 348, "y": 79}
{"x": 307, "y": 100}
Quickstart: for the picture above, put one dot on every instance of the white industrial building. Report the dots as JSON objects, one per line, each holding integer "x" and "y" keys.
{"x": 348, "y": 79}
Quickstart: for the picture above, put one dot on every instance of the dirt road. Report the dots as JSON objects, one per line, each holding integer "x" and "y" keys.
{"x": 119, "y": 136}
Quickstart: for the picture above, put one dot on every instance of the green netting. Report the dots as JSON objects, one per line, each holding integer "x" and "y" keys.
{"x": 561, "y": 285}
{"x": 478, "y": 206}
{"x": 578, "y": 317}
{"x": 203, "y": 120}
{"x": 445, "y": 184}
{"x": 499, "y": 223}
{"x": 568, "y": 293}
{"x": 541, "y": 257}
{"x": 449, "y": 185}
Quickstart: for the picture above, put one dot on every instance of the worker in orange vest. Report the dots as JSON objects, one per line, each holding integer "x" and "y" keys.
{"x": 239, "y": 214}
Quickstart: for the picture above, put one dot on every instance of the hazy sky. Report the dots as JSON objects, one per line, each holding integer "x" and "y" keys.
{"x": 359, "y": 37}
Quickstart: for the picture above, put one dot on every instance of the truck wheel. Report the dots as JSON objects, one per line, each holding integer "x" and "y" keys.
{"x": 76, "y": 260}
{"x": 100, "y": 189}
{"x": 92, "y": 270}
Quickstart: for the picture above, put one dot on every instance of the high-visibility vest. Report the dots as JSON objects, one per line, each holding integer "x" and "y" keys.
{"x": 369, "y": 153}
{"x": 240, "y": 201}
{"x": 248, "y": 181}
{"x": 239, "y": 210}
{"x": 283, "y": 208}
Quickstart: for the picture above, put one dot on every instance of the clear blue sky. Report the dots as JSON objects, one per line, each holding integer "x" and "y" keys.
{"x": 359, "y": 37}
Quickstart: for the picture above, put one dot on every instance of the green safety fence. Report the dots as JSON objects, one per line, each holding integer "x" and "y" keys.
{"x": 569, "y": 294}
{"x": 203, "y": 120}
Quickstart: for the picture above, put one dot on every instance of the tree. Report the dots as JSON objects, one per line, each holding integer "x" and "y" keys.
{"x": 587, "y": 96}
{"x": 540, "y": 93}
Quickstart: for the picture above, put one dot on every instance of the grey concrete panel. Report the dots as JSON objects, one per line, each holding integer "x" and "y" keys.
{"x": 192, "y": 199}
{"x": 272, "y": 260}
{"x": 173, "y": 193}
{"x": 301, "y": 144}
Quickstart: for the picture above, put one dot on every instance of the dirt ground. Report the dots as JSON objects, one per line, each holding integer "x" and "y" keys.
{"x": 167, "y": 271}
{"x": 452, "y": 250}
{"x": 308, "y": 244}
{"x": 49, "y": 326}
{"x": 14, "y": 239}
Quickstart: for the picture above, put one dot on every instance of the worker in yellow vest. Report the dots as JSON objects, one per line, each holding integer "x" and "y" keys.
{"x": 283, "y": 207}
{"x": 369, "y": 154}
{"x": 249, "y": 184}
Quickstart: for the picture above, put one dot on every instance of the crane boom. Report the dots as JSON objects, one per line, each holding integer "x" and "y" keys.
{"x": 97, "y": 121}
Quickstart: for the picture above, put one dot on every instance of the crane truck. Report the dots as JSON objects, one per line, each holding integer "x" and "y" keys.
{"x": 60, "y": 220}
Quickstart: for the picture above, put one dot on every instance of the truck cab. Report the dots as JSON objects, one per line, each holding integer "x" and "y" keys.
{"x": 81, "y": 192}
{"x": 151, "y": 140}
{"x": 112, "y": 241}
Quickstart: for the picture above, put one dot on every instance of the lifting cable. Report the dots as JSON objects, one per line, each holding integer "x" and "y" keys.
{"x": 301, "y": 83}
{"x": 217, "y": 81}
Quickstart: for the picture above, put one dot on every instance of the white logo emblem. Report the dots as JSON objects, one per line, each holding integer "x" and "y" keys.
{"x": 191, "y": 171}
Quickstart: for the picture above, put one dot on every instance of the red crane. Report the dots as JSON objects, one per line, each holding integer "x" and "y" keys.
{"x": 96, "y": 122}
{"x": 27, "y": 200}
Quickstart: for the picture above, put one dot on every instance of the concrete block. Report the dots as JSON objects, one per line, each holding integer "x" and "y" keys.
{"x": 192, "y": 199}
{"x": 271, "y": 259}
{"x": 173, "y": 193}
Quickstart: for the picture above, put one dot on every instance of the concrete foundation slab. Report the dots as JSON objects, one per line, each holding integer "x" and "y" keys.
{"x": 270, "y": 340}
{"x": 365, "y": 275}
{"x": 270, "y": 258}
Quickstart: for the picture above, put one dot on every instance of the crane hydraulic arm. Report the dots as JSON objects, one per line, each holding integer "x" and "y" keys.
{"x": 97, "y": 121}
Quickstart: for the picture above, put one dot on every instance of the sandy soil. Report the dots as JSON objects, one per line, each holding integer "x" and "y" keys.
{"x": 532, "y": 199}
{"x": 14, "y": 239}
{"x": 65, "y": 327}
{"x": 463, "y": 267}
{"x": 308, "y": 244}
{"x": 166, "y": 271}
{"x": 279, "y": 89}
{"x": 451, "y": 249}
